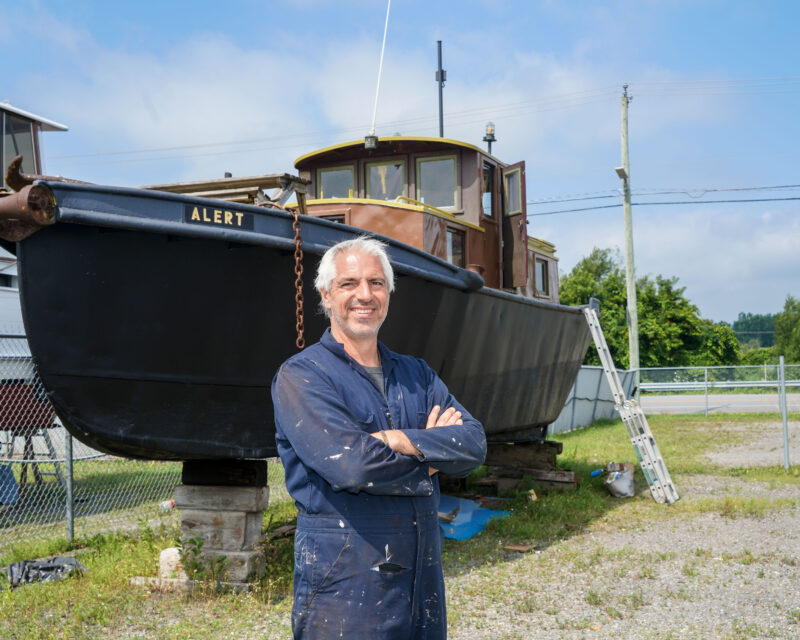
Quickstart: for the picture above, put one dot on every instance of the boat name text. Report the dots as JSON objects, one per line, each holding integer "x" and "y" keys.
{"x": 218, "y": 217}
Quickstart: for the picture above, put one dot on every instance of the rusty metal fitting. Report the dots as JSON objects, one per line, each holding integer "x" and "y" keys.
{"x": 26, "y": 211}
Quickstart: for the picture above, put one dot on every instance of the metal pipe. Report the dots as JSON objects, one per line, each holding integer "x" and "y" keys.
{"x": 70, "y": 503}
{"x": 782, "y": 402}
{"x": 441, "y": 76}
{"x": 705, "y": 375}
{"x": 26, "y": 211}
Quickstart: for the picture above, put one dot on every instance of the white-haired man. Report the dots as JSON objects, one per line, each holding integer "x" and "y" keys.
{"x": 362, "y": 433}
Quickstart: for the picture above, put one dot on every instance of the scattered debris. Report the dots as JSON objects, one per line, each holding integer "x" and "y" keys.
{"x": 282, "y": 532}
{"x": 450, "y": 516}
{"x": 491, "y": 503}
{"x": 43, "y": 570}
{"x": 532, "y": 497}
{"x": 620, "y": 479}
{"x": 519, "y": 548}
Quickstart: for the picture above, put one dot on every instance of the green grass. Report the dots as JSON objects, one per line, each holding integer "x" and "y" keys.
{"x": 103, "y": 604}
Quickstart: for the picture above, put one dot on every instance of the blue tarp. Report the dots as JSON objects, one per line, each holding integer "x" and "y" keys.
{"x": 9, "y": 489}
{"x": 471, "y": 518}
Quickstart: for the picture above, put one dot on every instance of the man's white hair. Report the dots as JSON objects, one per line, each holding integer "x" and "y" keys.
{"x": 326, "y": 272}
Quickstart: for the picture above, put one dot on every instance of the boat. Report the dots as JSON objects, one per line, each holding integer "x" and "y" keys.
{"x": 173, "y": 359}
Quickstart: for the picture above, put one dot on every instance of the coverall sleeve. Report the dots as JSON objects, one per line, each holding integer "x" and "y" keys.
{"x": 335, "y": 444}
{"x": 455, "y": 450}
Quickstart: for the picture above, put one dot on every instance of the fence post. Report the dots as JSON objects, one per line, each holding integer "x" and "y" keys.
{"x": 705, "y": 378}
{"x": 782, "y": 402}
{"x": 70, "y": 499}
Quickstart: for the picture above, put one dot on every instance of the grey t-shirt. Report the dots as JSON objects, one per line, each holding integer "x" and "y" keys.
{"x": 376, "y": 373}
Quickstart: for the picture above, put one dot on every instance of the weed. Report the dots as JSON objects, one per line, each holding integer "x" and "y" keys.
{"x": 741, "y": 629}
{"x": 633, "y": 600}
{"x": 200, "y": 566}
{"x": 611, "y": 612}
{"x": 646, "y": 572}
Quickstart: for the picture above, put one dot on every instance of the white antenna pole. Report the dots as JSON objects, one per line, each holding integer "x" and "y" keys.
{"x": 380, "y": 69}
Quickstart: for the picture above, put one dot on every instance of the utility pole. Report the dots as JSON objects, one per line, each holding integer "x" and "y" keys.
{"x": 441, "y": 76}
{"x": 630, "y": 272}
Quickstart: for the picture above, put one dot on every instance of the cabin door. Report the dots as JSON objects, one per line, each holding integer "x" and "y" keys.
{"x": 515, "y": 227}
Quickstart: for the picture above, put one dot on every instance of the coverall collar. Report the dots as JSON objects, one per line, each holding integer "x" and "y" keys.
{"x": 337, "y": 348}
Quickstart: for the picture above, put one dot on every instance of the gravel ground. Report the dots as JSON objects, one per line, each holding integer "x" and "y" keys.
{"x": 693, "y": 572}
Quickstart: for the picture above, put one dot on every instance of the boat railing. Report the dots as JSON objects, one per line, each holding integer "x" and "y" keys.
{"x": 428, "y": 207}
{"x": 436, "y": 211}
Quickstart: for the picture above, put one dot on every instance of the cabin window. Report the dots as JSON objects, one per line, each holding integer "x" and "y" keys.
{"x": 385, "y": 180}
{"x": 487, "y": 199}
{"x": 455, "y": 247}
{"x": 542, "y": 288}
{"x": 512, "y": 183}
{"x": 18, "y": 141}
{"x": 436, "y": 182}
{"x": 335, "y": 182}
{"x": 338, "y": 217}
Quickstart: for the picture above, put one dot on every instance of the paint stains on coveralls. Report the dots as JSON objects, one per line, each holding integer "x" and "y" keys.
{"x": 368, "y": 543}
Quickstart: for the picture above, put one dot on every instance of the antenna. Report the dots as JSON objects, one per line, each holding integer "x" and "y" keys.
{"x": 441, "y": 77}
{"x": 371, "y": 141}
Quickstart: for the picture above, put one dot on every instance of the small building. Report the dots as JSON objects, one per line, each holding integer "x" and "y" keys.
{"x": 21, "y": 137}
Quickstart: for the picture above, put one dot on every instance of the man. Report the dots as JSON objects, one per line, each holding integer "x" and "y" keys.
{"x": 362, "y": 433}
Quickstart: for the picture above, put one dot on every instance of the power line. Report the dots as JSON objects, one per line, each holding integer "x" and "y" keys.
{"x": 478, "y": 114}
{"x": 676, "y": 202}
{"x": 657, "y": 192}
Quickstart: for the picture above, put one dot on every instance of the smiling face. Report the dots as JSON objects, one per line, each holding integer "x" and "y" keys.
{"x": 358, "y": 299}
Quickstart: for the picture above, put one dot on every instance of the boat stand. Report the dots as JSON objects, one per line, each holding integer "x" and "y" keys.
{"x": 222, "y": 503}
{"x": 510, "y": 463}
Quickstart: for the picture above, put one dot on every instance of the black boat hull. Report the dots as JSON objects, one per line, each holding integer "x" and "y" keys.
{"x": 158, "y": 338}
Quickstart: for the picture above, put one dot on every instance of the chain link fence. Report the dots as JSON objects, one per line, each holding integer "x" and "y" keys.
{"x": 52, "y": 485}
{"x": 764, "y": 378}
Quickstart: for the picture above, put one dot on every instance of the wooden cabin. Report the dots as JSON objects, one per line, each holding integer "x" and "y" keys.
{"x": 445, "y": 197}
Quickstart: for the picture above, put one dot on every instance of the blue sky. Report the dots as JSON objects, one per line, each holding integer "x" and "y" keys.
{"x": 166, "y": 91}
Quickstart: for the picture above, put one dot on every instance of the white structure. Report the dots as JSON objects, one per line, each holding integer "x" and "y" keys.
{"x": 21, "y": 136}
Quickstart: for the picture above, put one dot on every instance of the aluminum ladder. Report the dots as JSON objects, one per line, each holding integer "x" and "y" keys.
{"x": 644, "y": 444}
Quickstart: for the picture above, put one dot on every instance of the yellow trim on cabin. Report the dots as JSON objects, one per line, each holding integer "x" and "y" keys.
{"x": 356, "y": 143}
{"x": 417, "y": 206}
{"x": 542, "y": 246}
{"x": 441, "y": 213}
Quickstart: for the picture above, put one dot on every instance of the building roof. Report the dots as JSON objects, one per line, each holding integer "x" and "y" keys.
{"x": 47, "y": 125}
{"x": 353, "y": 144}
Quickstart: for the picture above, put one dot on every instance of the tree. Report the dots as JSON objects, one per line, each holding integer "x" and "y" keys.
{"x": 756, "y": 329}
{"x": 671, "y": 331}
{"x": 787, "y": 330}
{"x": 599, "y": 275}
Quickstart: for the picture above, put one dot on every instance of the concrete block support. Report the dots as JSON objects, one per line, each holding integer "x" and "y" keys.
{"x": 228, "y": 521}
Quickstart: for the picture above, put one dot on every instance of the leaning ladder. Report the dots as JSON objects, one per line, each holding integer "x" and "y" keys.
{"x": 653, "y": 467}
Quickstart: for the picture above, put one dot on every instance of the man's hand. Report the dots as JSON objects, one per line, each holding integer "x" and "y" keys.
{"x": 398, "y": 441}
{"x": 448, "y": 418}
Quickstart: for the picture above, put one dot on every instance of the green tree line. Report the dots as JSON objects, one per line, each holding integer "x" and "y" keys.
{"x": 672, "y": 332}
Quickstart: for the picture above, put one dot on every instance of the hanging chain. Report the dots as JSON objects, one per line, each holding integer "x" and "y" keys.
{"x": 298, "y": 283}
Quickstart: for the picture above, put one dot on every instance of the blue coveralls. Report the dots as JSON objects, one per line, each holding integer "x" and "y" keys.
{"x": 367, "y": 554}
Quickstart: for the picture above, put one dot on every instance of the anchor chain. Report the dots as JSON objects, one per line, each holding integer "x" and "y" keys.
{"x": 298, "y": 283}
